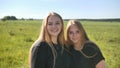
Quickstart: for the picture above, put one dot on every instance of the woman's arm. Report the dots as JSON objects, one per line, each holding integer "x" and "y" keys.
{"x": 101, "y": 64}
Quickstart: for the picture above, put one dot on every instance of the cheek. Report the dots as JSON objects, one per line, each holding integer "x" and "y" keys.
{"x": 60, "y": 27}
{"x": 70, "y": 36}
{"x": 47, "y": 28}
{"x": 78, "y": 35}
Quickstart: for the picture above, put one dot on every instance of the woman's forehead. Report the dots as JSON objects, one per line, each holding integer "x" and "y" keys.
{"x": 53, "y": 17}
{"x": 73, "y": 26}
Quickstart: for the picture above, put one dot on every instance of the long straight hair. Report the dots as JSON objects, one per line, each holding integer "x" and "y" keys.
{"x": 45, "y": 36}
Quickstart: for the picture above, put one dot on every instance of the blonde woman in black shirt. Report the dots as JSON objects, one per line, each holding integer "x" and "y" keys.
{"x": 86, "y": 53}
{"x": 49, "y": 51}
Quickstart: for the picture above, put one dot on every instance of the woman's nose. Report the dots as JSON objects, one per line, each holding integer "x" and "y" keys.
{"x": 74, "y": 34}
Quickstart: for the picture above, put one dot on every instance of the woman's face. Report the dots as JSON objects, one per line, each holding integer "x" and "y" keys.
{"x": 54, "y": 25}
{"x": 74, "y": 34}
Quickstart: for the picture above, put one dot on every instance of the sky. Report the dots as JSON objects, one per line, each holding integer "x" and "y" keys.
{"x": 68, "y": 9}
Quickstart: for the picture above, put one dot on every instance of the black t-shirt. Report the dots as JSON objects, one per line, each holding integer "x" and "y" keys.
{"x": 88, "y": 57}
{"x": 42, "y": 56}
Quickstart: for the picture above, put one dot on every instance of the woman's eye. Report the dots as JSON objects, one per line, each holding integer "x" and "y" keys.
{"x": 49, "y": 23}
{"x": 57, "y": 23}
{"x": 70, "y": 32}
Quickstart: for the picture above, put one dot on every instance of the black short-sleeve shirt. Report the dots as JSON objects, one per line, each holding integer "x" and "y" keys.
{"x": 42, "y": 56}
{"x": 88, "y": 57}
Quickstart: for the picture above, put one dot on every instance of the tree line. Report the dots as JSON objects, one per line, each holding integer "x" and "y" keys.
{"x": 13, "y": 18}
{"x": 104, "y": 20}
{"x": 99, "y": 20}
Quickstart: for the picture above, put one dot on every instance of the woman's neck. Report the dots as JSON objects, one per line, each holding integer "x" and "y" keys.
{"x": 54, "y": 40}
{"x": 78, "y": 46}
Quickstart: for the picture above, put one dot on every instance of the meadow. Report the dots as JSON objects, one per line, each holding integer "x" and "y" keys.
{"x": 16, "y": 38}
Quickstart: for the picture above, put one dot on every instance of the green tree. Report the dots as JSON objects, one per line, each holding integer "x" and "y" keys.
{"x": 9, "y": 18}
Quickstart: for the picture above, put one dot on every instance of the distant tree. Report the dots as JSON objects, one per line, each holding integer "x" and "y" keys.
{"x": 13, "y": 18}
{"x": 3, "y": 19}
{"x": 30, "y": 19}
{"x": 9, "y": 18}
{"x": 22, "y": 19}
{"x": 6, "y": 17}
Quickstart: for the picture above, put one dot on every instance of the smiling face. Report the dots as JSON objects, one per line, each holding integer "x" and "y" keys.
{"x": 74, "y": 34}
{"x": 54, "y": 25}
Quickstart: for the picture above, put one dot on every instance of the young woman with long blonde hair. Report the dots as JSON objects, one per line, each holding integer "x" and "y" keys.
{"x": 85, "y": 52}
{"x": 49, "y": 51}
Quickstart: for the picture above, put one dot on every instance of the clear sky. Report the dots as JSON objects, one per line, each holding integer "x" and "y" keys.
{"x": 68, "y": 9}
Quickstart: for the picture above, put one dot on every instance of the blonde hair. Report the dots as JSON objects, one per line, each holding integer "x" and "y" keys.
{"x": 82, "y": 32}
{"x": 44, "y": 36}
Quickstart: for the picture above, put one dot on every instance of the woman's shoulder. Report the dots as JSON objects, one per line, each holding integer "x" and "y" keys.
{"x": 40, "y": 49}
{"x": 90, "y": 44}
{"x": 90, "y": 49}
{"x": 40, "y": 45}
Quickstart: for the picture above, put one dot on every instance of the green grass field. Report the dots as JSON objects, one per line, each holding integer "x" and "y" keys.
{"x": 16, "y": 37}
